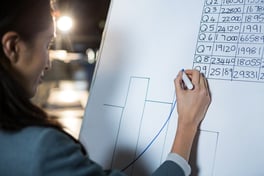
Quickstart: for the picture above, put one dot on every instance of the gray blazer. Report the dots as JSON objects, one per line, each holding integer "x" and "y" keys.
{"x": 42, "y": 151}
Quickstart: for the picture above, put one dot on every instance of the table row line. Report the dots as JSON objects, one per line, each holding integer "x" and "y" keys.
{"x": 231, "y": 72}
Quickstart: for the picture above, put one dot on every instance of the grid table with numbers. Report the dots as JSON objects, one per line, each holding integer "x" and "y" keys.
{"x": 231, "y": 40}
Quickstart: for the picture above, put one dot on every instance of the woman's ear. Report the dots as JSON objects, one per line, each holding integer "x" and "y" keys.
{"x": 10, "y": 46}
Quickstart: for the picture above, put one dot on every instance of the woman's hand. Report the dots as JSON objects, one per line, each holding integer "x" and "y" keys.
{"x": 192, "y": 106}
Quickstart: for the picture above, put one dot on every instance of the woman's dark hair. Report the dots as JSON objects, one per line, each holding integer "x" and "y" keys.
{"x": 27, "y": 18}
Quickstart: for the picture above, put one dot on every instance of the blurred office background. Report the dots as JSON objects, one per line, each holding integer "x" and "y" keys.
{"x": 65, "y": 90}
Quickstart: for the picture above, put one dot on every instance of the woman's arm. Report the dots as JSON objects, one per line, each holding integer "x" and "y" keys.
{"x": 192, "y": 106}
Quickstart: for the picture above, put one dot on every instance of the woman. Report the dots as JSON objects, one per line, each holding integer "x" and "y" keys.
{"x": 33, "y": 144}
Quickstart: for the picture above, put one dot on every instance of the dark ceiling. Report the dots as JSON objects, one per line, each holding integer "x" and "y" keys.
{"x": 89, "y": 19}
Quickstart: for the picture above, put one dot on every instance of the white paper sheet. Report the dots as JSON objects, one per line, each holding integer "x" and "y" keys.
{"x": 145, "y": 44}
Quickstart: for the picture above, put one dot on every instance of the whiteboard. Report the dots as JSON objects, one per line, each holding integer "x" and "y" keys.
{"x": 130, "y": 119}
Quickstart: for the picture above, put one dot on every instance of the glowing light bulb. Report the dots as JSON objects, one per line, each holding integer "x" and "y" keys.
{"x": 65, "y": 23}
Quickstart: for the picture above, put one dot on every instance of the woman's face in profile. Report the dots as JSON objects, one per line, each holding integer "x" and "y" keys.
{"x": 34, "y": 61}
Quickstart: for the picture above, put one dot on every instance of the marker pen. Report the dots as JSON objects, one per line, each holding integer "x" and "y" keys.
{"x": 186, "y": 80}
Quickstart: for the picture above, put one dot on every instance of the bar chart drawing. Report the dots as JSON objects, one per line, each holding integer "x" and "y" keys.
{"x": 141, "y": 136}
{"x": 136, "y": 107}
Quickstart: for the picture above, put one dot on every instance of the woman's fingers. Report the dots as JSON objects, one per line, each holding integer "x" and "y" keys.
{"x": 178, "y": 82}
{"x": 194, "y": 75}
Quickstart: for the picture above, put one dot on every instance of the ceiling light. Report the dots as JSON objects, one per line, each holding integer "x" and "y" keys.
{"x": 64, "y": 23}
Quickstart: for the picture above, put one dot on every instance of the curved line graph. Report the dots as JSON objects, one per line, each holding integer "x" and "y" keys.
{"x": 134, "y": 118}
{"x": 155, "y": 137}
{"x": 133, "y": 143}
